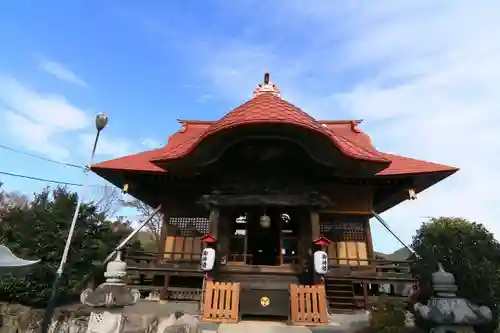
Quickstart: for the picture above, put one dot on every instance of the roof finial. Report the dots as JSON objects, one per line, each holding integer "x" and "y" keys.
{"x": 267, "y": 87}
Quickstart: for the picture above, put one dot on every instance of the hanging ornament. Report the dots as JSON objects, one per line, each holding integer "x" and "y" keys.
{"x": 265, "y": 221}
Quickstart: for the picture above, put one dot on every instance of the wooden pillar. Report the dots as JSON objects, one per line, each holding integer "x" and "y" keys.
{"x": 280, "y": 230}
{"x": 214, "y": 221}
{"x": 214, "y": 230}
{"x": 305, "y": 237}
{"x": 224, "y": 233}
{"x": 245, "y": 244}
{"x": 163, "y": 235}
{"x": 315, "y": 230}
{"x": 161, "y": 248}
{"x": 369, "y": 241}
{"x": 365, "y": 294}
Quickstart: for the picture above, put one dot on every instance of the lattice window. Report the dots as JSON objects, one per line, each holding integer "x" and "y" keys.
{"x": 337, "y": 229}
{"x": 189, "y": 226}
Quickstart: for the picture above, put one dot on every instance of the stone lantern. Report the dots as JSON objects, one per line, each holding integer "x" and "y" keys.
{"x": 9, "y": 263}
{"x": 446, "y": 312}
{"x": 109, "y": 299}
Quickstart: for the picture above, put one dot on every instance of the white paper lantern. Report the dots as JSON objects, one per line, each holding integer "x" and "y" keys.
{"x": 320, "y": 262}
{"x": 207, "y": 259}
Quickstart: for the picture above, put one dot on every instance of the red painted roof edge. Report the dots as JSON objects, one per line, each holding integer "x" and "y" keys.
{"x": 333, "y": 136}
{"x": 203, "y": 122}
{"x": 346, "y": 121}
{"x": 140, "y": 162}
{"x": 400, "y": 165}
{"x": 313, "y": 125}
{"x": 418, "y": 167}
{"x": 381, "y": 157}
{"x": 321, "y": 121}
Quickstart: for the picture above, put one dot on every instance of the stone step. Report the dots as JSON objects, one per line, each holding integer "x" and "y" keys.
{"x": 261, "y": 327}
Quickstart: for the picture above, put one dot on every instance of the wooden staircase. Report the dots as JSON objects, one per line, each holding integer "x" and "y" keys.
{"x": 339, "y": 294}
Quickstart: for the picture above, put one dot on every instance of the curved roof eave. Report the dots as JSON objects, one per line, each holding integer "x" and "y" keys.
{"x": 267, "y": 109}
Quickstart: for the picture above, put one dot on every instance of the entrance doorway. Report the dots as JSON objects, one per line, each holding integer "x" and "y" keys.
{"x": 264, "y": 241}
{"x": 274, "y": 244}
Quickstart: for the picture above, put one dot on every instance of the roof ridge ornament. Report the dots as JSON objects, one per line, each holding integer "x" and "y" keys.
{"x": 267, "y": 87}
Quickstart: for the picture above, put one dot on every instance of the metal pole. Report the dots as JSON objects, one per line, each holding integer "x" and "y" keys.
{"x": 49, "y": 311}
{"x": 381, "y": 220}
{"x": 132, "y": 234}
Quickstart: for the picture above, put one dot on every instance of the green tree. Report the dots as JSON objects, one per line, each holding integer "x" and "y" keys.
{"x": 39, "y": 230}
{"x": 467, "y": 250}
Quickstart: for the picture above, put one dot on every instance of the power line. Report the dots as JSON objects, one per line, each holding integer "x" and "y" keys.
{"x": 41, "y": 157}
{"x": 46, "y": 180}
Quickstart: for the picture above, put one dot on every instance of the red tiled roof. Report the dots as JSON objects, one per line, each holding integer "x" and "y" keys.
{"x": 136, "y": 162}
{"x": 182, "y": 141}
{"x": 142, "y": 162}
{"x": 405, "y": 165}
{"x": 268, "y": 109}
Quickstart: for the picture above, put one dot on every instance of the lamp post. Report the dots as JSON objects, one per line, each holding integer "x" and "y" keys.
{"x": 101, "y": 120}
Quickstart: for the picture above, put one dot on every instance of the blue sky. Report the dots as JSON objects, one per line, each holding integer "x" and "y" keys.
{"x": 423, "y": 75}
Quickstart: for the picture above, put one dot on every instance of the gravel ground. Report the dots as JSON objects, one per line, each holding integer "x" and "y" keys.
{"x": 338, "y": 322}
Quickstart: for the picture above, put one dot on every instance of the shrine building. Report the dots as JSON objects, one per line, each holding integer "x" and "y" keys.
{"x": 265, "y": 181}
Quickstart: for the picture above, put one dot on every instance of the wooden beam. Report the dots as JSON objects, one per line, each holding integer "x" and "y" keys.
{"x": 347, "y": 212}
{"x": 284, "y": 200}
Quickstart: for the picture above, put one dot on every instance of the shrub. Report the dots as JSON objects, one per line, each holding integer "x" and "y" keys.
{"x": 39, "y": 230}
{"x": 468, "y": 251}
{"x": 388, "y": 317}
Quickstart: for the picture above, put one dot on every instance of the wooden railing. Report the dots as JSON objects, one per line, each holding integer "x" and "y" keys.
{"x": 184, "y": 294}
{"x": 162, "y": 257}
{"x": 338, "y": 265}
{"x": 147, "y": 267}
{"x": 173, "y": 293}
{"x": 240, "y": 258}
{"x": 335, "y": 261}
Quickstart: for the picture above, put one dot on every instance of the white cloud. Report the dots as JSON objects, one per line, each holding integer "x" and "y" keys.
{"x": 151, "y": 143}
{"x": 36, "y": 120}
{"x": 205, "y": 98}
{"x": 423, "y": 75}
{"x": 33, "y": 135}
{"x": 61, "y": 72}
{"x": 114, "y": 147}
{"x": 107, "y": 146}
{"x": 50, "y": 125}
{"x": 435, "y": 97}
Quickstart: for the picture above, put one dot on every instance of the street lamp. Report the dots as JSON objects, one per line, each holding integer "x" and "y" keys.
{"x": 101, "y": 120}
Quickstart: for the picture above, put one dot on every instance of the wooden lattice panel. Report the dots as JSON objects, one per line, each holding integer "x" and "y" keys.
{"x": 188, "y": 226}
{"x": 221, "y": 302}
{"x": 308, "y": 304}
{"x": 348, "y": 236}
{"x": 183, "y": 238}
{"x": 343, "y": 231}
